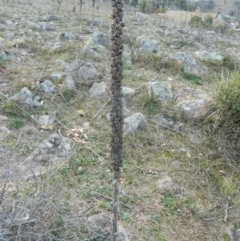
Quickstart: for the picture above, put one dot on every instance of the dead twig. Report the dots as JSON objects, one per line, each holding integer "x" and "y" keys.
{"x": 19, "y": 138}
{"x": 101, "y": 108}
{"x": 96, "y": 194}
{"x": 147, "y": 82}
{"x": 133, "y": 50}
{"x": 80, "y": 141}
{"x": 226, "y": 214}
{"x": 26, "y": 113}
{"x": 43, "y": 71}
{"x": 60, "y": 93}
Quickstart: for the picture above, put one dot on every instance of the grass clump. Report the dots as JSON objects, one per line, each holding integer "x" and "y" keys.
{"x": 229, "y": 96}
{"x": 208, "y": 21}
{"x": 155, "y": 62}
{"x": 169, "y": 202}
{"x": 225, "y": 120}
{"x": 191, "y": 77}
{"x": 196, "y": 22}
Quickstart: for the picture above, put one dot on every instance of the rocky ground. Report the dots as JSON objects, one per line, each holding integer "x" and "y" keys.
{"x": 179, "y": 182}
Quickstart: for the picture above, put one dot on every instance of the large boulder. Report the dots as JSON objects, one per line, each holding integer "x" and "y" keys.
{"x": 147, "y": 45}
{"x": 194, "y": 103}
{"x": 101, "y": 38}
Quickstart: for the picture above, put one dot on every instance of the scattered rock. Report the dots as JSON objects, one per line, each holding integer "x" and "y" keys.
{"x": 89, "y": 52}
{"x": 98, "y": 90}
{"x": 3, "y": 118}
{"x": 189, "y": 63}
{"x": 147, "y": 45}
{"x": 176, "y": 164}
{"x": 69, "y": 36}
{"x": 166, "y": 185}
{"x": 75, "y": 65}
{"x": 54, "y": 46}
{"x": 69, "y": 83}
{"x": 49, "y": 18}
{"x": 42, "y": 26}
{"x": 134, "y": 123}
{"x": 5, "y": 55}
{"x": 159, "y": 118}
{"x": 87, "y": 73}
{"x": 49, "y": 87}
{"x": 26, "y": 97}
{"x": 234, "y": 233}
{"x": 170, "y": 32}
{"x": 177, "y": 43}
{"x": 194, "y": 103}
{"x": 101, "y": 49}
{"x": 57, "y": 76}
{"x": 99, "y": 227}
{"x": 207, "y": 55}
{"x": 101, "y": 38}
{"x": 127, "y": 57}
{"x": 46, "y": 120}
{"x": 95, "y": 22}
{"x": 51, "y": 152}
{"x": 127, "y": 93}
{"x": 4, "y": 131}
{"x": 141, "y": 17}
{"x": 160, "y": 90}
{"x": 10, "y": 24}
{"x": 196, "y": 136}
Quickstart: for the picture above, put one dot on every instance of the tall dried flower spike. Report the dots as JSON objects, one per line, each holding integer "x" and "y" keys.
{"x": 116, "y": 97}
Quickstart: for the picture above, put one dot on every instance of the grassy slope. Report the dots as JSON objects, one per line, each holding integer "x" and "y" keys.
{"x": 208, "y": 180}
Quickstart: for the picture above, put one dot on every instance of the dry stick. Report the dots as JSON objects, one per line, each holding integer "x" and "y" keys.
{"x": 89, "y": 148}
{"x": 226, "y": 214}
{"x": 133, "y": 50}
{"x": 167, "y": 127}
{"x": 109, "y": 199}
{"x": 43, "y": 71}
{"x": 19, "y": 139}
{"x": 147, "y": 82}
{"x": 101, "y": 108}
{"x": 60, "y": 93}
{"x": 159, "y": 37}
{"x": 26, "y": 112}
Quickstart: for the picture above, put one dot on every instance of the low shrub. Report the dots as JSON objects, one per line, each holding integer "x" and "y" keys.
{"x": 196, "y": 22}
{"x": 225, "y": 120}
{"x": 229, "y": 96}
{"x": 208, "y": 21}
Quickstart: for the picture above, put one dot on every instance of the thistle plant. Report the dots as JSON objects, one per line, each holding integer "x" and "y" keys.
{"x": 116, "y": 98}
